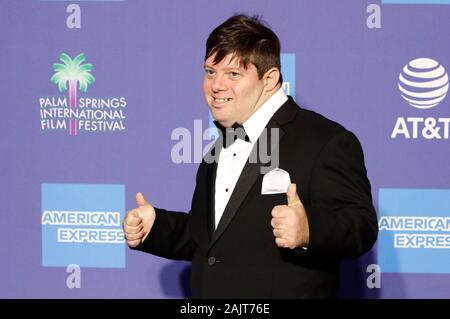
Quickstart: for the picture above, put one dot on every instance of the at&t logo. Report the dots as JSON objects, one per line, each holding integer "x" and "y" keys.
{"x": 423, "y": 84}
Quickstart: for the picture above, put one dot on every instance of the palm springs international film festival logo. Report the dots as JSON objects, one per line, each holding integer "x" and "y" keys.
{"x": 79, "y": 114}
{"x": 423, "y": 84}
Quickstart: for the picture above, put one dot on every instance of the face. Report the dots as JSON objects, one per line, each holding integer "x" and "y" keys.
{"x": 232, "y": 93}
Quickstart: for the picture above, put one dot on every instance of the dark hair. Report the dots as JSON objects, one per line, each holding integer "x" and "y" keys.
{"x": 248, "y": 39}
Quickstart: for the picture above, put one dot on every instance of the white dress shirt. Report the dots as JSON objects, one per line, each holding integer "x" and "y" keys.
{"x": 233, "y": 158}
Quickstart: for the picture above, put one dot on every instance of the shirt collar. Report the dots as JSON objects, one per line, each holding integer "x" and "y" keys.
{"x": 256, "y": 123}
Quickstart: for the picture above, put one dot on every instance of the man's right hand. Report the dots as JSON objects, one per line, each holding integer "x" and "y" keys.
{"x": 139, "y": 221}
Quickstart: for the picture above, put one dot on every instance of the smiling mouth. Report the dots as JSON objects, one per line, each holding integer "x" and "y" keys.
{"x": 217, "y": 100}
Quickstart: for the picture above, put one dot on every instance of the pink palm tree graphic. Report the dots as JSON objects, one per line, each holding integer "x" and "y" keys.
{"x": 72, "y": 72}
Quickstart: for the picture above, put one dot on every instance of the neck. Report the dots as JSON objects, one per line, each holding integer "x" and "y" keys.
{"x": 264, "y": 97}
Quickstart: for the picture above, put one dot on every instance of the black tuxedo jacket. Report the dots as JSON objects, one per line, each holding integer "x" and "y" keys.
{"x": 240, "y": 259}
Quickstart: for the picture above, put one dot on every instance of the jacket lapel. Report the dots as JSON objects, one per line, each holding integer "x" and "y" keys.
{"x": 211, "y": 169}
{"x": 252, "y": 168}
{"x": 211, "y": 189}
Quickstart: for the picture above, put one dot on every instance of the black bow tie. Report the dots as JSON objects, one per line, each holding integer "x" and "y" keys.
{"x": 230, "y": 134}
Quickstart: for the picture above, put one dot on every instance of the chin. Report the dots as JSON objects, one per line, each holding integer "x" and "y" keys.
{"x": 222, "y": 121}
{"x": 219, "y": 117}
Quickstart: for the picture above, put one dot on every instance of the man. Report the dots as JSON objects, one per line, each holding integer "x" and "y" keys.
{"x": 254, "y": 235}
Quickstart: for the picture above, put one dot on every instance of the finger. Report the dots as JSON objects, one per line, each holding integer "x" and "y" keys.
{"x": 133, "y": 229}
{"x": 279, "y": 211}
{"x": 140, "y": 200}
{"x": 277, "y": 223}
{"x": 133, "y": 243}
{"x": 281, "y": 242}
{"x": 133, "y": 218}
{"x": 131, "y": 237}
{"x": 292, "y": 196}
{"x": 278, "y": 233}
{"x": 273, "y": 223}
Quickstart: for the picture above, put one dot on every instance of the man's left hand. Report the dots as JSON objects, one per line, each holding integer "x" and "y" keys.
{"x": 289, "y": 222}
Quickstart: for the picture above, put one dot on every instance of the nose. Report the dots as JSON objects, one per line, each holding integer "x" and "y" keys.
{"x": 218, "y": 84}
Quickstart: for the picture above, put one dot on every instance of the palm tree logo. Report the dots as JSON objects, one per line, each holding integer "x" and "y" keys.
{"x": 73, "y": 72}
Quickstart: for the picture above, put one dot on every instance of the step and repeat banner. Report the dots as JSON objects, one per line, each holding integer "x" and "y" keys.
{"x": 103, "y": 99}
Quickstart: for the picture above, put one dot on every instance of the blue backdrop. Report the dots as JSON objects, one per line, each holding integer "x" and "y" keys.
{"x": 98, "y": 98}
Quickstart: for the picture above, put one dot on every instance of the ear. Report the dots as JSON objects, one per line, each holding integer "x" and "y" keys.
{"x": 271, "y": 78}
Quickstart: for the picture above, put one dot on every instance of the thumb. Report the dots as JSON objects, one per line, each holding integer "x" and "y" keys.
{"x": 140, "y": 200}
{"x": 292, "y": 195}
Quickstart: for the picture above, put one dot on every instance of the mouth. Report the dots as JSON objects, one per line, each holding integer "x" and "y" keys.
{"x": 220, "y": 100}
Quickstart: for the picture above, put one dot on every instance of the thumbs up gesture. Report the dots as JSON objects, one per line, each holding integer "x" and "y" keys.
{"x": 289, "y": 222}
{"x": 139, "y": 221}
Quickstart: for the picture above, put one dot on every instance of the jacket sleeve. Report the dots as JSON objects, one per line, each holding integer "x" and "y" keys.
{"x": 169, "y": 237}
{"x": 341, "y": 217}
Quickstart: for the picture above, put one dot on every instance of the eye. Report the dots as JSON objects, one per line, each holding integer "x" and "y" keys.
{"x": 209, "y": 72}
{"x": 234, "y": 75}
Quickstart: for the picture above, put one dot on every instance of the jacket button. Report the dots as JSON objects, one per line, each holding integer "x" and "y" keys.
{"x": 211, "y": 261}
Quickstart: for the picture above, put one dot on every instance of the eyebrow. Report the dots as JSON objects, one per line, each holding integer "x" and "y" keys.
{"x": 226, "y": 68}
